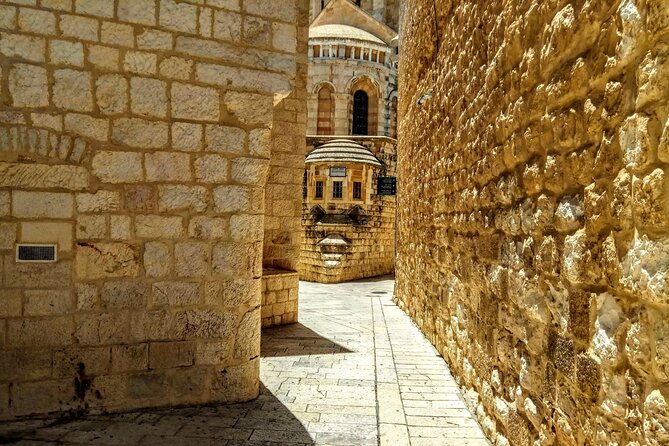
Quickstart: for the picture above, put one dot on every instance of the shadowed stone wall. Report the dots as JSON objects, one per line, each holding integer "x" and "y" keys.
{"x": 533, "y": 241}
{"x": 137, "y": 135}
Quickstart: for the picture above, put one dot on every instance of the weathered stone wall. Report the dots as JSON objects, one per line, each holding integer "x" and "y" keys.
{"x": 279, "y": 297}
{"x": 138, "y": 136}
{"x": 533, "y": 243}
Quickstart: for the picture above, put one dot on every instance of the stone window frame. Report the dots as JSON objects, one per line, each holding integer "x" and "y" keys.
{"x": 337, "y": 190}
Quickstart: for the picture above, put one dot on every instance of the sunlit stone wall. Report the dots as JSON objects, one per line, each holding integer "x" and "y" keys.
{"x": 137, "y": 135}
{"x": 533, "y": 243}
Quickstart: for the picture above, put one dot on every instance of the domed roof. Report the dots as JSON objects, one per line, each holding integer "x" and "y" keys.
{"x": 342, "y": 32}
{"x": 342, "y": 151}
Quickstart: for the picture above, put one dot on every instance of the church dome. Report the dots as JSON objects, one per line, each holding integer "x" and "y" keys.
{"x": 345, "y": 32}
{"x": 342, "y": 151}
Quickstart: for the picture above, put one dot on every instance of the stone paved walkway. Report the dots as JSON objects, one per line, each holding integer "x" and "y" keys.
{"x": 355, "y": 371}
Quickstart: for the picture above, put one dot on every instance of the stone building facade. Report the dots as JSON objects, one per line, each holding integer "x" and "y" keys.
{"x": 156, "y": 144}
{"x": 533, "y": 244}
{"x": 352, "y": 101}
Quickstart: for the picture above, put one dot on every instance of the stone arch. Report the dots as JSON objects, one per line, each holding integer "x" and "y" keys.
{"x": 370, "y": 88}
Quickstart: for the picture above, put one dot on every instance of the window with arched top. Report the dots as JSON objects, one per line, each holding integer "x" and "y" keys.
{"x": 360, "y": 113}
{"x": 325, "y": 110}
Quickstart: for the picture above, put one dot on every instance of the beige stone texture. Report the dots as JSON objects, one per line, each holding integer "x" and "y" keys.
{"x": 48, "y": 232}
{"x": 533, "y": 206}
{"x": 28, "y": 86}
{"x": 196, "y": 103}
{"x": 42, "y": 204}
{"x": 114, "y": 149}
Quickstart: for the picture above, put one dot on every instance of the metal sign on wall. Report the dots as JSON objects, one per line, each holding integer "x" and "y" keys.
{"x": 337, "y": 171}
{"x": 387, "y": 186}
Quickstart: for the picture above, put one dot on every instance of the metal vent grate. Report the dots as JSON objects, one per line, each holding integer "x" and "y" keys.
{"x": 36, "y": 253}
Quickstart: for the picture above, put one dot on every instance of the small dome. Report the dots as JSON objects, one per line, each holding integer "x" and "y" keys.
{"x": 342, "y": 151}
{"x": 343, "y": 32}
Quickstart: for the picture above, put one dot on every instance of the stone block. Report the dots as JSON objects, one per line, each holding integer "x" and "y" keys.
{"x": 284, "y": 37}
{"x": 237, "y": 260}
{"x": 232, "y": 199}
{"x": 167, "y": 167}
{"x": 247, "y": 339}
{"x": 247, "y": 228}
{"x": 124, "y": 294}
{"x": 195, "y": 103}
{"x": 32, "y": 49}
{"x": 142, "y": 12}
{"x": 34, "y": 21}
{"x": 141, "y": 62}
{"x": 176, "y": 68}
{"x": 87, "y": 297}
{"x": 25, "y": 364}
{"x": 111, "y": 94}
{"x": 157, "y": 226}
{"x": 191, "y": 259}
{"x": 11, "y": 305}
{"x": 118, "y": 34}
{"x": 94, "y": 7}
{"x": 209, "y": 228}
{"x": 140, "y": 198}
{"x": 47, "y": 120}
{"x": 233, "y": 293}
{"x": 88, "y": 127}
{"x": 147, "y": 385}
{"x": 101, "y": 201}
{"x": 118, "y": 167}
{"x": 63, "y": 52}
{"x": 47, "y": 303}
{"x": 120, "y": 227}
{"x": 43, "y": 396}
{"x": 8, "y": 15}
{"x": 177, "y": 198}
{"x": 72, "y": 90}
{"x": 651, "y": 201}
{"x": 224, "y": 139}
{"x": 204, "y": 324}
{"x": 129, "y": 358}
{"x": 7, "y": 235}
{"x": 175, "y": 294}
{"x": 250, "y": 109}
{"x": 104, "y": 57}
{"x": 205, "y": 22}
{"x": 157, "y": 259}
{"x": 79, "y": 28}
{"x": 167, "y": 355}
{"x": 148, "y": 97}
{"x": 42, "y": 176}
{"x": 260, "y": 143}
{"x": 152, "y": 325}
{"x": 252, "y": 171}
{"x": 5, "y": 203}
{"x": 186, "y": 137}
{"x": 106, "y": 260}
{"x": 76, "y": 361}
{"x": 153, "y": 39}
{"x": 28, "y": 86}
{"x": 211, "y": 169}
{"x": 227, "y": 25}
{"x": 102, "y": 328}
{"x": 239, "y": 383}
{"x": 139, "y": 133}
{"x": 43, "y": 332}
{"x": 256, "y": 32}
{"x": 42, "y": 204}
{"x": 48, "y": 232}
{"x": 178, "y": 16}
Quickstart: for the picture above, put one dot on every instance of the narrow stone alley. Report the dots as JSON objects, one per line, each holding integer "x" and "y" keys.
{"x": 354, "y": 371}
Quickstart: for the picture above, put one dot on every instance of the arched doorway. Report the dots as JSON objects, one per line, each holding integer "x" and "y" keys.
{"x": 360, "y": 113}
{"x": 364, "y": 107}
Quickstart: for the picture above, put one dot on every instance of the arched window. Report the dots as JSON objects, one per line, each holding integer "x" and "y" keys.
{"x": 325, "y": 110}
{"x": 360, "y": 113}
{"x": 393, "y": 118}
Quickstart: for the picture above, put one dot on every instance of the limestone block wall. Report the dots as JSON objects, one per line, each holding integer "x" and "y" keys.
{"x": 279, "y": 297}
{"x": 139, "y": 136}
{"x": 533, "y": 244}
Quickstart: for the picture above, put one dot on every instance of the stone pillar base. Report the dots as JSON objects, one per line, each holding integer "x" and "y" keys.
{"x": 279, "y": 297}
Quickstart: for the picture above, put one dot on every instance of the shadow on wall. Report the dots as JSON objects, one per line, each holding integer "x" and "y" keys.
{"x": 263, "y": 421}
{"x": 296, "y": 340}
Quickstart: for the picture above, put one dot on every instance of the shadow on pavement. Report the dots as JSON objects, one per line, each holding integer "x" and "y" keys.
{"x": 263, "y": 421}
{"x": 296, "y": 340}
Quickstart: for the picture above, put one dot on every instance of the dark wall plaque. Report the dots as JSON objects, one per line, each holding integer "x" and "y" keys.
{"x": 387, "y": 186}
